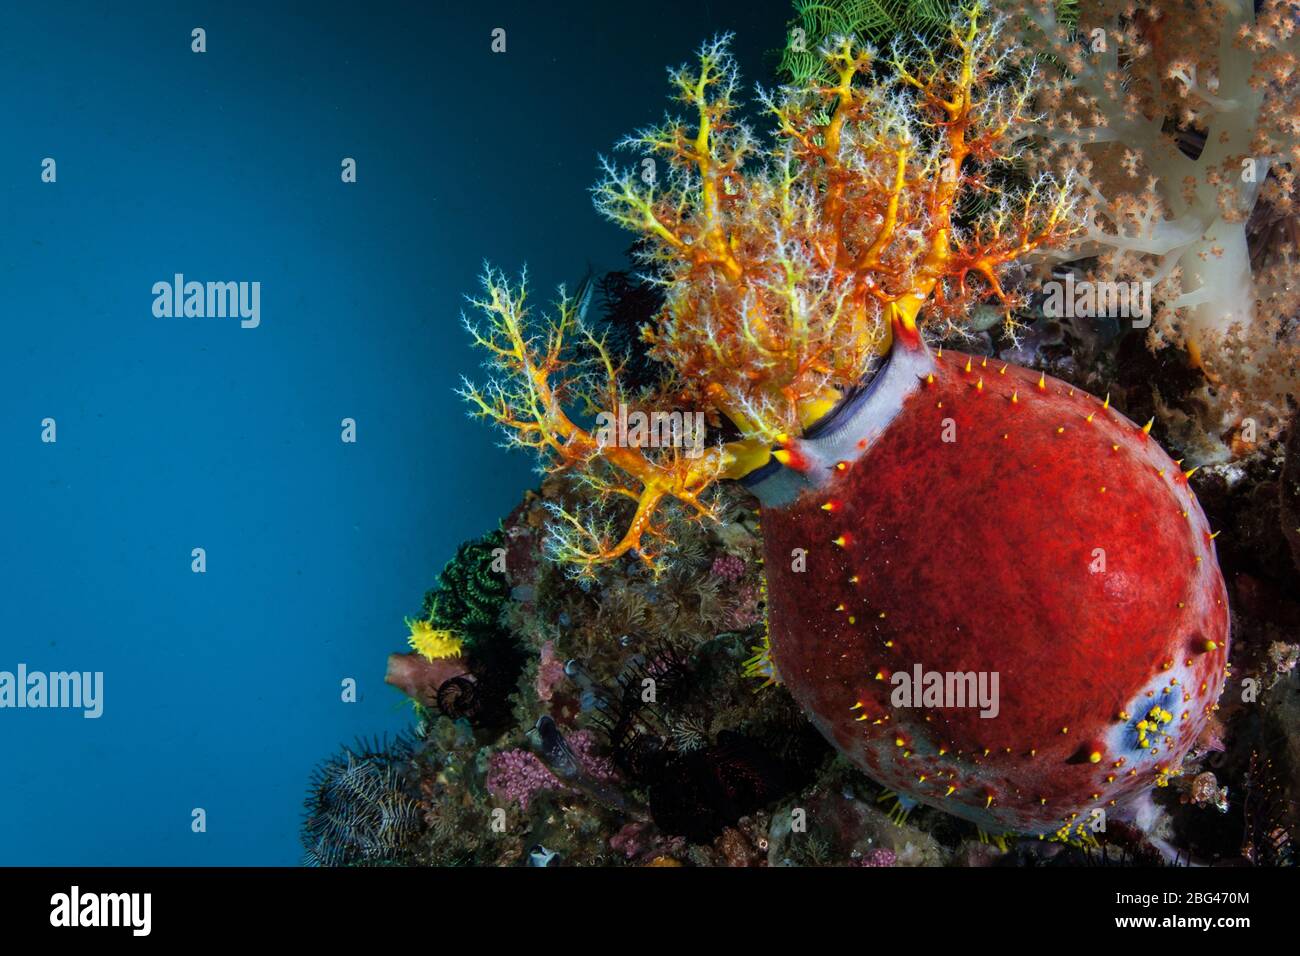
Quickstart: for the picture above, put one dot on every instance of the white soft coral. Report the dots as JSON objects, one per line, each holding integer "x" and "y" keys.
{"x": 1179, "y": 117}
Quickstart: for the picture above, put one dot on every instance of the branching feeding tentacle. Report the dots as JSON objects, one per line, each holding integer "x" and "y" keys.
{"x": 786, "y": 273}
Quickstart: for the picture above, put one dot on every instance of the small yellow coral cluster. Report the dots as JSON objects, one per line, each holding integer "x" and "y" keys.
{"x": 787, "y": 270}
{"x": 432, "y": 643}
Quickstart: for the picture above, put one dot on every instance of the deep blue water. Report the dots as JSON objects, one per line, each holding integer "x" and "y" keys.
{"x": 222, "y": 690}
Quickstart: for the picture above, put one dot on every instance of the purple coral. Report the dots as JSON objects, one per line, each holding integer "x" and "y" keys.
{"x": 597, "y": 767}
{"x": 632, "y": 840}
{"x": 728, "y": 567}
{"x": 880, "y": 856}
{"x": 641, "y": 840}
{"x": 518, "y": 775}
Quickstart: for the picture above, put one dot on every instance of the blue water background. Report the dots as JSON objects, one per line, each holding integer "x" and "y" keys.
{"x": 222, "y": 690}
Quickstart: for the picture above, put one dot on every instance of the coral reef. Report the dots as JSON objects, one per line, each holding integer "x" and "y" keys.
{"x": 655, "y": 665}
{"x": 824, "y": 812}
{"x": 462, "y": 621}
{"x": 786, "y": 281}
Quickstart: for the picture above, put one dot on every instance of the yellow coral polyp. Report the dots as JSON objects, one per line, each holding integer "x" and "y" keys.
{"x": 433, "y": 643}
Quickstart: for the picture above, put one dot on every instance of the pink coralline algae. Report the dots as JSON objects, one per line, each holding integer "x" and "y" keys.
{"x": 728, "y": 567}
{"x": 880, "y": 856}
{"x": 632, "y": 840}
{"x": 518, "y": 775}
{"x": 550, "y": 671}
{"x": 639, "y": 840}
{"x": 596, "y": 766}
